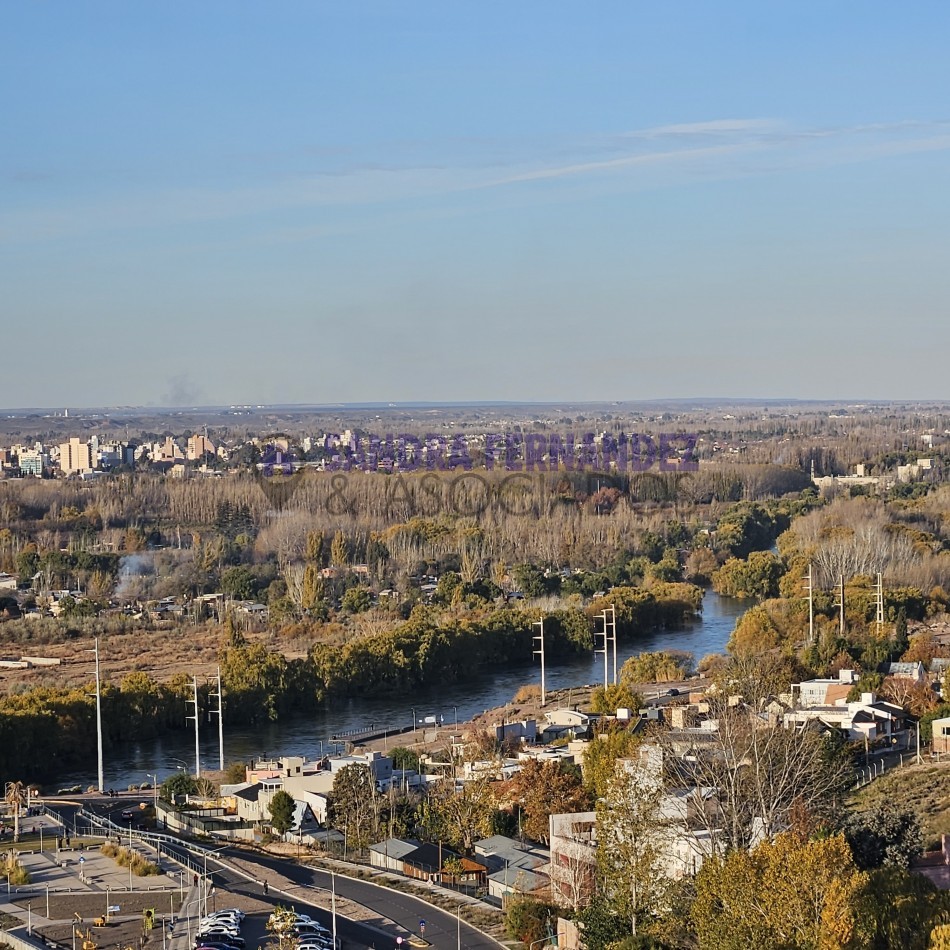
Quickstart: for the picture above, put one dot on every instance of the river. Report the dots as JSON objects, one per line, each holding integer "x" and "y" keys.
{"x": 131, "y": 762}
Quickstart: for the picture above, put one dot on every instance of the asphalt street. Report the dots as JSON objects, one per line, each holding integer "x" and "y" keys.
{"x": 443, "y": 930}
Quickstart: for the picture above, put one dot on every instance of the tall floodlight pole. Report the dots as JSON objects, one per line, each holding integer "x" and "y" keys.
{"x": 99, "y": 716}
{"x": 539, "y": 639}
{"x": 604, "y": 633}
{"x": 219, "y": 713}
{"x": 810, "y": 590}
{"x": 194, "y": 702}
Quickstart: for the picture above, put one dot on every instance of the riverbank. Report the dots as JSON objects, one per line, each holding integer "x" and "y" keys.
{"x": 526, "y": 704}
{"x": 309, "y": 734}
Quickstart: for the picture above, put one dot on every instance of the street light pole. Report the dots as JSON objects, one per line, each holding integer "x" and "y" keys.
{"x": 458, "y": 925}
{"x": 333, "y": 904}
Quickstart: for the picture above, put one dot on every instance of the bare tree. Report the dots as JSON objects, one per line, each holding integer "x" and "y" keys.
{"x": 762, "y": 773}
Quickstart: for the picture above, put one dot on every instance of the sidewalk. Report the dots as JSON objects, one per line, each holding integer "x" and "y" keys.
{"x": 81, "y": 882}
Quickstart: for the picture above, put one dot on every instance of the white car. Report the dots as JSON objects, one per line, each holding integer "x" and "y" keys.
{"x": 317, "y": 943}
{"x": 220, "y": 930}
{"x": 226, "y": 916}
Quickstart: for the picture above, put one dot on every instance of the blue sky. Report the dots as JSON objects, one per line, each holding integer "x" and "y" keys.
{"x": 319, "y": 202}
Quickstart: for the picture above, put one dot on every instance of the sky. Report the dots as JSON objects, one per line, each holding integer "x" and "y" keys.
{"x": 317, "y": 202}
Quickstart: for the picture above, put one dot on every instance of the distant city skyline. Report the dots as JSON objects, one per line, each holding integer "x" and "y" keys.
{"x": 322, "y": 202}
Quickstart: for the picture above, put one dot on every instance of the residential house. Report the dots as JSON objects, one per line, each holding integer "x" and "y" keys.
{"x": 566, "y": 723}
{"x": 914, "y": 672}
{"x": 823, "y": 692}
{"x": 514, "y": 867}
{"x": 440, "y": 865}
{"x": 388, "y": 855}
{"x": 523, "y": 731}
{"x": 941, "y": 735}
{"x": 868, "y": 719}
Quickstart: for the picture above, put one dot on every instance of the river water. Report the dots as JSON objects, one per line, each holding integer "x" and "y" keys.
{"x": 129, "y": 763}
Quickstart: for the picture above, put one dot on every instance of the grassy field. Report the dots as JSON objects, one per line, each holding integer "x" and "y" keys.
{"x": 923, "y": 789}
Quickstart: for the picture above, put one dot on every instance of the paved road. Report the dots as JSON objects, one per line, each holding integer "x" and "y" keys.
{"x": 443, "y": 930}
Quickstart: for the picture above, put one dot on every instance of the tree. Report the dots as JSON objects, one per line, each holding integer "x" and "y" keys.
{"x": 608, "y": 699}
{"x": 600, "y": 758}
{"x": 786, "y": 893}
{"x": 239, "y": 582}
{"x": 661, "y": 667}
{"x": 235, "y": 773}
{"x": 531, "y": 921}
{"x": 460, "y": 816}
{"x": 884, "y": 836}
{"x": 763, "y": 774}
{"x": 313, "y": 589}
{"x": 602, "y": 926}
{"x": 181, "y": 783}
{"x": 404, "y": 758}
{"x": 282, "y": 807}
{"x": 354, "y": 804}
{"x": 546, "y": 789}
{"x": 758, "y": 576}
{"x": 339, "y": 549}
{"x": 357, "y": 600}
{"x": 904, "y": 909}
{"x": 631, "y": 844}
{"x": 15, "y": 796}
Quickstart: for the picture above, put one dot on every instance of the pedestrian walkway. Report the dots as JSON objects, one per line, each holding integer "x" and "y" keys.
{"x": 71, "y": 877}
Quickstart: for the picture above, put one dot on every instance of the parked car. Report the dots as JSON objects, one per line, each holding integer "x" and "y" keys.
{"x": 318, "y": 943}
{"x": 220, "y": 922}
{"x": 310, "y": 930}
{"x": 223, "y": 930}
{"x": 232, "y": 922}
{"x": 220, "y": 942}
{"x": 223, "y": 936}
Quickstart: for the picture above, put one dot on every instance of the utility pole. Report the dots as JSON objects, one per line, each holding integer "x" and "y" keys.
{"x": 606, "y": 636}
{"x": 539, "y": 639}
{"x": 613, "y": 635}
{"x": 840, "y": 604}
{"x": 810, "y": 590}
{"x": 194, "y": 702}
{"x": 879, "y": 599}
{"x": 98, "y": 716}
{"x": 218, "y": 712}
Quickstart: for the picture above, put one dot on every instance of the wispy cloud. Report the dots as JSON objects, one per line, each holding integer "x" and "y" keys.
{"x": 638, "y": 158}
